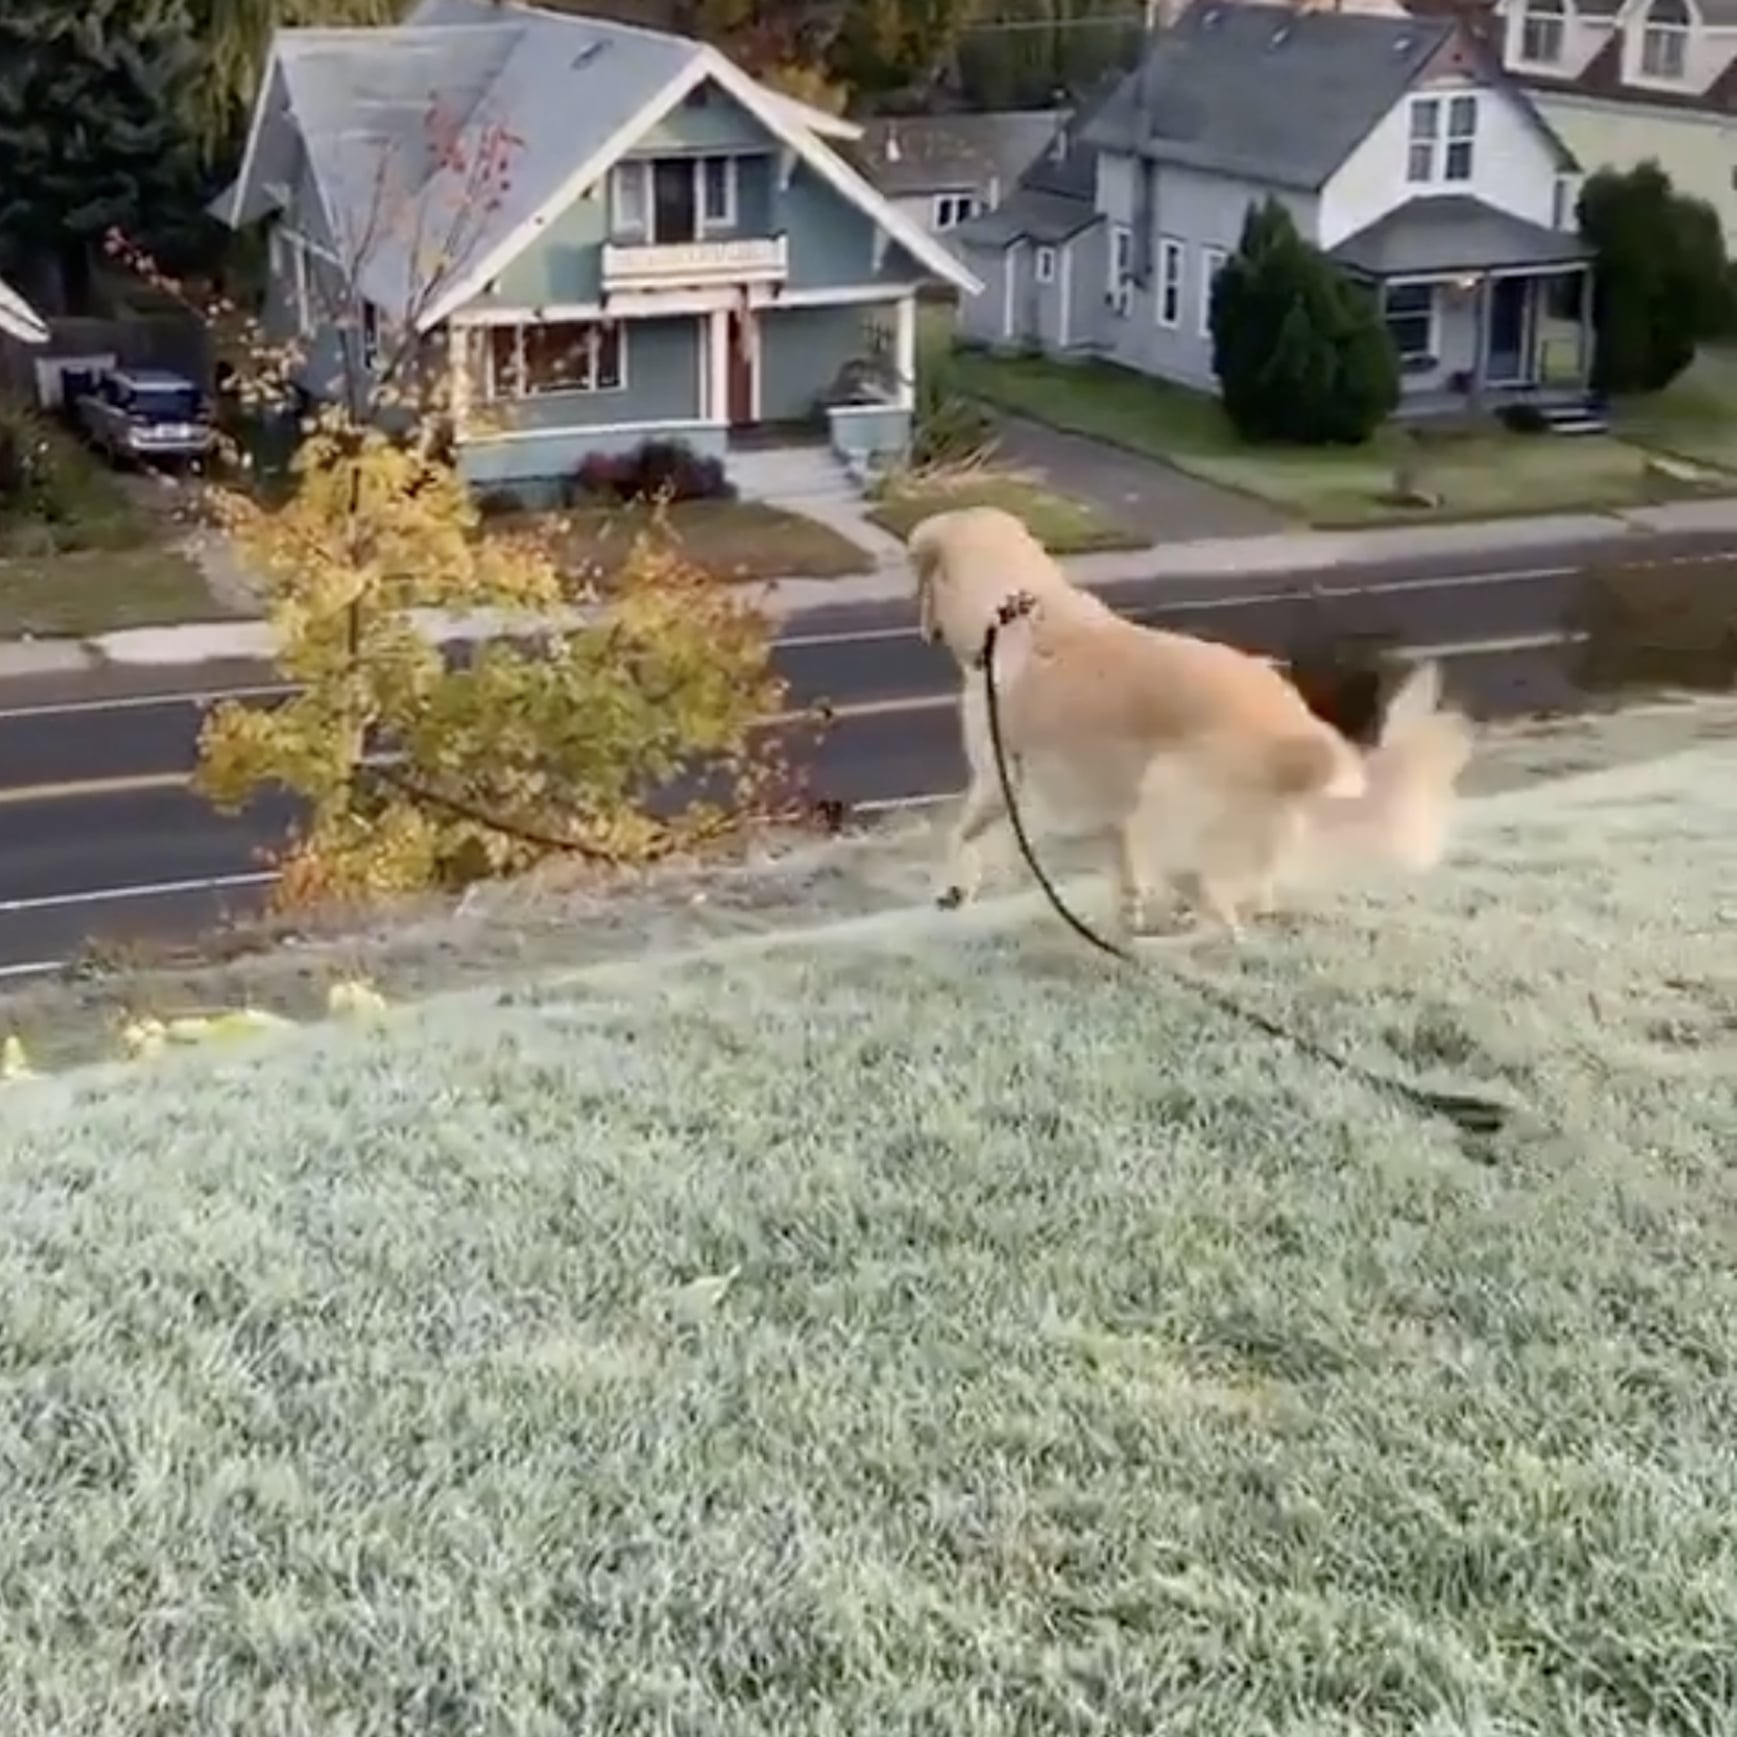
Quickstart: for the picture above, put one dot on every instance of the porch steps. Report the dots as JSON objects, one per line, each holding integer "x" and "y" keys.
{"x": 813, "y": 482}
{"x": 789, "y": 474}
{"x": 1584, "y": 418}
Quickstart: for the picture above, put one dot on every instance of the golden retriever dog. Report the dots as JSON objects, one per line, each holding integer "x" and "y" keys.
{"x": 1200, "y": 762}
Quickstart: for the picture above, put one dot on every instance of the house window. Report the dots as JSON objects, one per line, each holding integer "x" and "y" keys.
{"x": 1043, "y": 266}
{"x": 1564, "y": 198}
{"x": 628, "y": 204}
{"x": 368, "y": 324}
{"x": 557, "y": 356}
{"x": 1121, "y": 287}
{"x": 1169, "y": 297}
{"x": 1425, "y": 133}
{"x": 672, "y": 198}
{"x": 717, "y": 194}
{"x": 1409, "y": 310}
{"x": 1665, "y": 40}
{"x": 952, "y": 209}
{"x": 1541, "y": 32}
{"x": 1462, "y": 135}
{"x": 1443, "y": 134}
{"x": 1211, "y": 264}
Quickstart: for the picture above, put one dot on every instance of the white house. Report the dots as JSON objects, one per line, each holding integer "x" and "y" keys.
{"x": 1398, "y": 144}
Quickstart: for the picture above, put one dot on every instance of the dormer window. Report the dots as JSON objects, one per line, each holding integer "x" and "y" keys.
{"x": 1541, "y": 32}
{"x": 1665, "y": 40}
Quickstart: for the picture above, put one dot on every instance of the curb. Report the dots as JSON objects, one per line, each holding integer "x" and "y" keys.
{"x": 228, "y": 639}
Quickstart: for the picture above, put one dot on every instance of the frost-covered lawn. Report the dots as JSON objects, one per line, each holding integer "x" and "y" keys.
{"x": 916, "y": 1328}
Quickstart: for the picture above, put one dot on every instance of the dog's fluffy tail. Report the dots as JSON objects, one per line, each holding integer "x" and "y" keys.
{"x": 1406, "y": 809}
{"x": 1319, "y": 763}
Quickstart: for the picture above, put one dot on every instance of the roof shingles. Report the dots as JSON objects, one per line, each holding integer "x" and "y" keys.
{"x": 1274, "y": 95}
{"x": 1454, "y": 232}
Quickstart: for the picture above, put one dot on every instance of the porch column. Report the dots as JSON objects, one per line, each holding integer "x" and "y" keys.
{"x": 717, "y": 338}
{"x": 1480, "y": 342}
{"x": 1586, "y": 339}
{"x": 458, "y": 377}
{"x": 905, "y": 351}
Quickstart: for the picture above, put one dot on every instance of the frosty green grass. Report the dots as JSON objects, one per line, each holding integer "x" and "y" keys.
{"x": 919, "y": 1327}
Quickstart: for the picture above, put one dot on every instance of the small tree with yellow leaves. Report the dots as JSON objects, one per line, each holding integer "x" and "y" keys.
{"x": 632, "y": 725}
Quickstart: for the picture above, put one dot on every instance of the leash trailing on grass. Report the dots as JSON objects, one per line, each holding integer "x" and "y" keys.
{"x": 1474, "y": 1114}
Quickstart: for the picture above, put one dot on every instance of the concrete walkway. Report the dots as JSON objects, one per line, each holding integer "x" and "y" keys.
{"x": 1204, "y": 558}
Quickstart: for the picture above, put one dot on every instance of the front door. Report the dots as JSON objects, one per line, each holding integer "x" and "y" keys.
{"x": 1507, "y": 355}
{"x": 672, "y": 200}
{"x": 741, "y": 371}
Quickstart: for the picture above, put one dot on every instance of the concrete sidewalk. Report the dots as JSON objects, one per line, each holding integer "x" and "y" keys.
{"x": 1205, "y": 558}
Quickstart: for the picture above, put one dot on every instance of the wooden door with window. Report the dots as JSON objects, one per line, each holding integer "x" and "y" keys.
{"x": 673, "y": 206}
{"x": 741, "y": 370}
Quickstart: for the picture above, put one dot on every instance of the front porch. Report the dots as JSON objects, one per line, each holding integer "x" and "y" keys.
{"x": 537, "y": 392}
{"x": 1485, "y": 309}
{"x": 1491, "y": 340}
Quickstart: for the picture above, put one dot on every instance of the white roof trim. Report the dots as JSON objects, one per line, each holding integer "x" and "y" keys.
{"x": 254, "y": 126}
{"x": 469, "y": 283}
{"x": 830, "y": 167}
{"x": 18, "y": 319}
{"x": 821, "y": 121}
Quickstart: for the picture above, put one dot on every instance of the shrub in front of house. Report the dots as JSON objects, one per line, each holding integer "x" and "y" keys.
{"x": 1300, "y": 351}
{"x": 667, "y": 470}
{"x": 1662, "y": 282}
{"x": 53, "y": 494}
{"x": 946, "y": 426}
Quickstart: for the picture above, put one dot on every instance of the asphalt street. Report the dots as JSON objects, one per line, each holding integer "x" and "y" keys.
{"x": 100, "y": 839}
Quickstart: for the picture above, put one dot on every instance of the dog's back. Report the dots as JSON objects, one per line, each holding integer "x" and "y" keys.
{"x": 1107, "y": 682}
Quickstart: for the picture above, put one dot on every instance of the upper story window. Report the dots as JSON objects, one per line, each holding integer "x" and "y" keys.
{"x": 672, "y": 199}
{"x": 1542, "y": 27}
{"x": 1665, "y": 40}
{"x": 1444, "y": 136}
{"x": 952, "y": 209}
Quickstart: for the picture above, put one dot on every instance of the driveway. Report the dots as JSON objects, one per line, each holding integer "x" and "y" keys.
{"x": 1165, "y": 504}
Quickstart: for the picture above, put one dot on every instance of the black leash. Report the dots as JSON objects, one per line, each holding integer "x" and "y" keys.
{"x": 1472, "y": 1113}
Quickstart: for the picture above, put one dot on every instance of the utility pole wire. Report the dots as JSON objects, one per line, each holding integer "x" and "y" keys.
{"x": 1146, "y": 20}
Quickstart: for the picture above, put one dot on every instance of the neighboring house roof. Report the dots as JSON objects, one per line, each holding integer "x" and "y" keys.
{"x": 1454, "y": 232}
{"x": 1602, "y": 77}
{"x": 572, "y": 94}
{"x": 1278, "y": 96}
{"x": 940, "y": 153}
{"x": 18, "y": 319}
{"x": 1057, "y": 195}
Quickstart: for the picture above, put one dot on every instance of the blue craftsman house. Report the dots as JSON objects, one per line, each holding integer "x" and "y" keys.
{"x": 671, "y": 249}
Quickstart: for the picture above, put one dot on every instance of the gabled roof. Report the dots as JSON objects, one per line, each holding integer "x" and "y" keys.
{"x": 1449, "y": 232}
{"x": 572, "y": 93}
{"x": 18, "y": 319}
{"x": 1277, "y": 95}
{"x": 1057, "y": 195}
{"x": 934, "y": 153}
